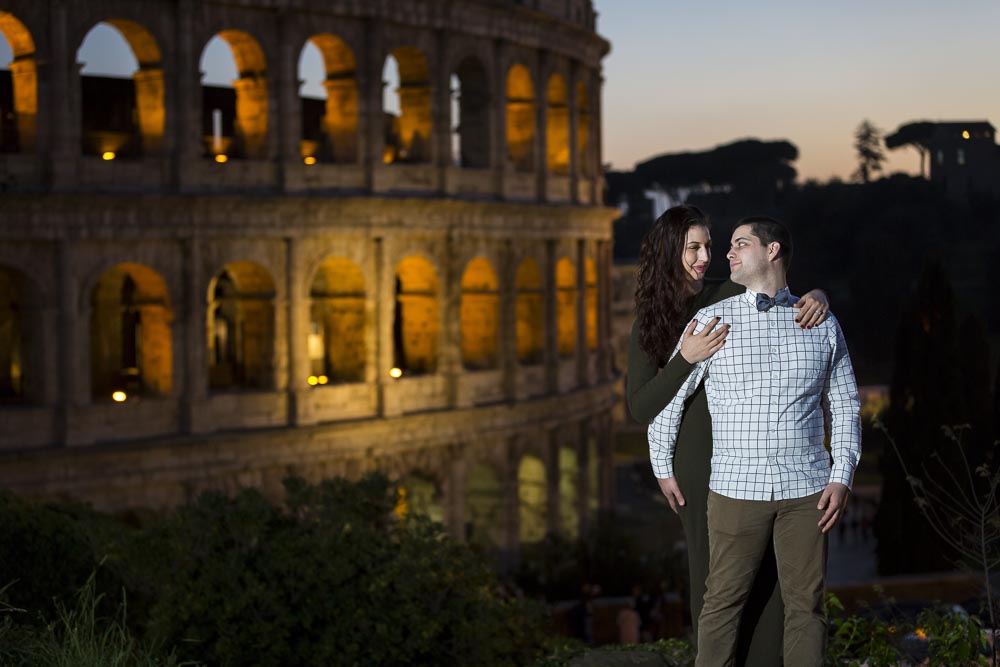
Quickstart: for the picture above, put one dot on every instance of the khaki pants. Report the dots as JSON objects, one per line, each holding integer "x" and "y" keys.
{"x": 739, "y": 532}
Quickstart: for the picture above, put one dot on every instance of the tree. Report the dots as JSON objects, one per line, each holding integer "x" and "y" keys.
{"x": 868, "y": 144}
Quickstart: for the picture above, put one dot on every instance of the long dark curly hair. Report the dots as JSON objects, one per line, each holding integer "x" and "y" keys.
{"x": 662, "y": 286}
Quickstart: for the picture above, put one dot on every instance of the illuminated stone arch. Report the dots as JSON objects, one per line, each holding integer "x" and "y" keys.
{"x": 566, "y": 295}
{"x": 335, "y": 130}
{"x": 480, "y": 315}
{"x": 24, "y": 77}
{"x": 532, "y": 499}
{"x": 529, "y": 313}
{"x": 417, "y": 320}
{"x": 336, "y": 341}
{"x": 244, "y": 117}
{"x": 583, "y": 130}
{"x": 470, "y": 110}
{"x": 21, "y": 338}
{"x": 590, "y": 301}
{"x": 557, "y": 125}
{"x": 241, "y": 327}
{"x": 408, "y": 135}
{"x": 520, "y": 118}
{"x": 421, "y": 495}
{"x": 126, "y": 123}
{"x": 131, "y": 342}
{"x": 484, "y": 506}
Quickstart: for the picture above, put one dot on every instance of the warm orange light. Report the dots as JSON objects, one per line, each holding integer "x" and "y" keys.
{"x": 965, "y": 134}
{"x": 323, "y": 379}
{"x": 119, "y": 397}
{"x": 110, "y": 155}
{"x": 396, "y": 372}
{"x": 921, "y": 633}
{"x": 313, "y": 380}
{"x": 221, "y": 158}
{"x": 309, "y": 159}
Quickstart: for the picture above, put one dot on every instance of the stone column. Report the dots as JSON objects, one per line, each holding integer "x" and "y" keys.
{"x": 73, "y": 389}
{"x": 341, "y": 120}
{"x": 508, "y": 320}
{"x": 596, "y": 153}
{"x": 186, "y": 107}
{"x": 441, "y": 110}
{"x": 297, "y": 315}
{"x": 582, "y": 352}
{"x": 583, "y": 463}
{"x": 289, "y": 105}
{"x": 24, "y": 75}
{"x": 252, "y": 114}
{"x": 551, "y": 317}
{"x": 450, "y": 355}
{"x": 605, "y": 350}
{"x": 149, "y": 89}
{"x": 371, "y": 122}
{"x": 385, "y": 289}
{"x": 194, "y": 333}
{"x": 63, "y": 102}
{"x": 511, "y": 503}
{"x": 541, "y": 126}
{"x": 498, "y": 115}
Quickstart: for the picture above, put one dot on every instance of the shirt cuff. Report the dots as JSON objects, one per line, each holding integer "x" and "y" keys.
{"x": 842, "y": 473}
{"x": 663, "y": 469}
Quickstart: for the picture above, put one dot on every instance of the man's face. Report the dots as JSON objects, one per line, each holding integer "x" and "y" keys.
{"x": 747, "y": 256}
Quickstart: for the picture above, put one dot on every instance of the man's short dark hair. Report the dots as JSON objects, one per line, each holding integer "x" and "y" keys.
{"x": 770, "y": 230}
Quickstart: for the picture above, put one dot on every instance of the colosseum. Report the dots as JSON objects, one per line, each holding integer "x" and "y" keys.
{"x": 218, "y": 287}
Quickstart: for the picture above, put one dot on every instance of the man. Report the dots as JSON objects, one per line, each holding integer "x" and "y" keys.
{"x": 771, "y": 474}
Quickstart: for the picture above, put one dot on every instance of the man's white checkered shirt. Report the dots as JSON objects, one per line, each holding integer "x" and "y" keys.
{"x": 766, "y": 390}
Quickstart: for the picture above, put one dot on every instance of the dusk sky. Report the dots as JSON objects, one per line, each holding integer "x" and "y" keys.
{"x": 691, "y": 75}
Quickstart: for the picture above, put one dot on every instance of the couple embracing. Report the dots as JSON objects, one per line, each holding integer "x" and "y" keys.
{"x": 735, "y": 378}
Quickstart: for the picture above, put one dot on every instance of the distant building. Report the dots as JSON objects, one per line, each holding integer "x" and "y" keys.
{"x": 963, "y": 155}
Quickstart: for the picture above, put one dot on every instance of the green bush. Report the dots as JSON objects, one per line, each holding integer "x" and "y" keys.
{"x": 332, "y": 578}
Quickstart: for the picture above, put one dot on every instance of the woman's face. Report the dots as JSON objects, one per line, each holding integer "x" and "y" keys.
{"x": 697, "y": 252}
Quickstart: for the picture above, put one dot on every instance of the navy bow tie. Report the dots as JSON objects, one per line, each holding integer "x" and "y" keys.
{"x": 765, "y": 303}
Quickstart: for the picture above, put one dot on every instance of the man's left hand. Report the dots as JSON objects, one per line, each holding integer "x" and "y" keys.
{"x": 834, "y": 501}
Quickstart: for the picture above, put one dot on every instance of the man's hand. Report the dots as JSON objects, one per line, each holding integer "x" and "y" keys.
{"x": 700, "y": 346}
{"x": 673, "y": 492}
{"x": 833, "y": 500}
{"x": 813, "y": 307}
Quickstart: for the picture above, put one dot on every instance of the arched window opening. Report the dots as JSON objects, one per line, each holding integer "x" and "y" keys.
{"x": 20, "y": 339}
{"x": 419, "y": 496}
{"x": 590, "y": 299}
{"x": 417, "y": 322}
{"x": 241, "y": 328}
{"x": 407, "y": 113}
{"x": 520, "y": 119}
{"x": 569, "y": 513}
{"x": 470, "y": 121}
{"x": 566, "y": 295}
{"x": 532, "y": 499}
{"x": 131, "y": 340}
{"x": 122, "y": 91}
{"x": 484, "y": 507}
{"x": 329, "y": 106}
{"x": 530, "y": 313}
{"x": 557, "y": 125}
{"x": 234, "y": 97}
{"x": 583, "y": 131}
{"x": 337, "y": 323}
{"x": 480, "y": 315}
{"x": 18, "y": 87}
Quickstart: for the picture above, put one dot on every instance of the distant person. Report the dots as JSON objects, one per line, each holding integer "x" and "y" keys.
{"x": 671, "y": 287}
{"x": 772, "y": 484}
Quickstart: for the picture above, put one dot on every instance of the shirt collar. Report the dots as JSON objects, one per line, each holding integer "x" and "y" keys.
{"x": 751, "y": 296}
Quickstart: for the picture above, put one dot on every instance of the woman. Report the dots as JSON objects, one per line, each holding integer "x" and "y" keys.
{"x": 671, "y": 287}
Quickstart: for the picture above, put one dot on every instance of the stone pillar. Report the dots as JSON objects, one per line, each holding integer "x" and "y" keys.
{"x": 551, "y": 317}
{"x": 511, "y": 503}
{"x": 507, "y": 343}
{"x": 186, "y": 101}
{"x": 605, "y": 349}
{"x": 251, "y": 114}
{"x": 63, "y": 101}
{"x": 582, "y": 352}
{"x": 450, "y": 349}
{"x": 48, "y": 371}
{"x": 498, "y": 116}
{"x": 24, "y": 74}
{"x": 289, "y": 105}
{"x": 341, "y": 121}
{"x": 149, "y": 89}
{"x": 441, "y": 110}
{"x": 583, "y": 463}
{"x": 194, "y": 333}
{"x": 385, "y": 291}
{"x": 552, "y": 509}
{"x": 596, "y": 153}
{"x": 69, "y": 343}
{"x": 574, "y": 125}
{"x": 297, "y": 315}
{"x": 541, "y": 124}
{"x": 371, "y": 121}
